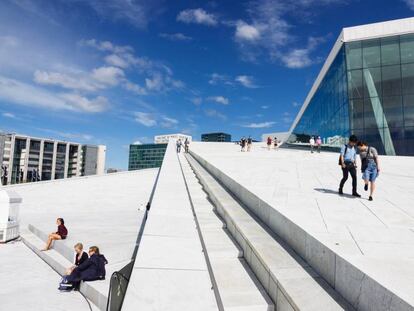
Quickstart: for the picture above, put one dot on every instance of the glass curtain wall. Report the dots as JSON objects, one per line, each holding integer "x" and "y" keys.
{"x": 327, "y": 113}
{"x": 378, "y": 105}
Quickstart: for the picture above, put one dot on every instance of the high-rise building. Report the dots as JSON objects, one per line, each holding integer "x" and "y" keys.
{"x": 146, "y": 156}
{"x": 217, "y": 137}
{"x": 163, "y": 139}
{"x": 28, "y": 159}
{"x": 366, "y": 88}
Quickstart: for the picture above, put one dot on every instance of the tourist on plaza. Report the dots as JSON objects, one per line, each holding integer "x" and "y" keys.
{"x": 347, "y": 161}
{"x": 186, "y": 145}
{"x": 319, "y": 144}
{"x": 92, "y": 269}
{"x": 269, "y": 142}
{"x": 312, "y": 143}
{"x": 4, "y": 175}
{"x": 179, "y": 143}
{"x": 249, "y": 143}
{"x": 80, "y": 258}
{"x": 243, "y": 143}
{"x": 275, "y": 142}
{"x": 369, "y": 166}
{"x": 60, "y": 234}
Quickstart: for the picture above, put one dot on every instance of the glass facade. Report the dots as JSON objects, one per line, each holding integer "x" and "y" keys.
{"x": 146, "y": 156}
{"x": 367, "y": 91}
{"x": 216, "y": 137}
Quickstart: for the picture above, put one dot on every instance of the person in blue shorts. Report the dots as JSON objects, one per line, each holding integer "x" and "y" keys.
{"x": 369, "y": 166}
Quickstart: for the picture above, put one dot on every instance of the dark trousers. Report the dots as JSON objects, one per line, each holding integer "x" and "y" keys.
{"x": 349, "y": 169}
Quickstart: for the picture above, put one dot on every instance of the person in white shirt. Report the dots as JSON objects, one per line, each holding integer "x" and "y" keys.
{"x": 312, "y": 143}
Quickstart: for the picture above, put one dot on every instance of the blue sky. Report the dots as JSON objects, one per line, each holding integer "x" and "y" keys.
{"x": 116, "y": 72}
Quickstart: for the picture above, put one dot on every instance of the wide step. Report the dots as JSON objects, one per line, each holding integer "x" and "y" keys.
{"x": 290, "y": 281}
{"x": 237, "y": 285}
{"x": 57, "y": 259}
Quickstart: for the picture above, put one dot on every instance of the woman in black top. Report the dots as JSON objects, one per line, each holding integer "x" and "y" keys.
{"x": 80, "y": 257}
{"x": 60, "y": 234}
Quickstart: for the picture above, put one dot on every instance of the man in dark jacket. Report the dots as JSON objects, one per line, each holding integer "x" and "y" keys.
{"x": 91, "y": 270}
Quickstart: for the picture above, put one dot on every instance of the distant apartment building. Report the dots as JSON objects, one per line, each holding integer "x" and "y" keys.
{"x": 146, "y": 156}
{"x": 163, "y": 139}
{"x": 216, "y": 137}
{"x": 29, "y": 159}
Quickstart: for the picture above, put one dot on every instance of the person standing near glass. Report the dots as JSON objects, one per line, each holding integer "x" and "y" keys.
{"x": 369, "y": 166}
{"x": 347, "y": 161}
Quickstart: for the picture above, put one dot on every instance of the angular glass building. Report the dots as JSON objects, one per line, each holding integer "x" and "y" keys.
{"x": 366, "y": 88}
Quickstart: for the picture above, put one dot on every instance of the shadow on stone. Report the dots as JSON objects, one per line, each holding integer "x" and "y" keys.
{"x": 335, "y": 192}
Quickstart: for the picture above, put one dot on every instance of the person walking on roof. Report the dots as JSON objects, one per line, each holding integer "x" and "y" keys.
{"x": 369, "y": 166}
{"x": 249, "y": 143}
{"x": 318, "y": 144}
{"x": 347, "y": 161}
{"x": 312, "y": 143}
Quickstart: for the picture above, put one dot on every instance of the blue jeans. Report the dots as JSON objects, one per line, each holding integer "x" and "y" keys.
{"x": 371, "y": 172}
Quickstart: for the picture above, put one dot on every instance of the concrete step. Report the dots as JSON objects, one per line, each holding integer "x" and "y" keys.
{"x": 287, "y": 278}
{"x": 236, "y": 284}
{"x": 56, "y": 258}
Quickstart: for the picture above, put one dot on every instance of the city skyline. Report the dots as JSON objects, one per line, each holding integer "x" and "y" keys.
{"x": 125, "y": 71}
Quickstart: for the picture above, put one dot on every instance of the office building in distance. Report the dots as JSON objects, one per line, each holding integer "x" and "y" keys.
{"x": 366, "y": 88}
{"x": 216, "y": 137}
{"x": 163, "y": 139}
{"x": 146, "y": 156}
{"x": 29, "y": 159}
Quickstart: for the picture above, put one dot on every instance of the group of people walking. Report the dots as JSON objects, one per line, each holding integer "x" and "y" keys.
{"x": 369, "y": 165}
{"x": 180, "y": 143}
{"x": 86, "y": 266}
{"x": 272, "y": 142}
{"x": 246, "y": 144}
{"x": 315, "y": 143}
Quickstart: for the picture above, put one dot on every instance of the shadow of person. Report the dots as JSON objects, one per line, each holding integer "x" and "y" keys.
{"x": 335, "y": 192}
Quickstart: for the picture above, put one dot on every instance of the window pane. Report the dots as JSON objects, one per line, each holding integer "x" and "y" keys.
{"x": 355, "y": 84}
{"x": 372, "y": 106}
{"x": 408, "y": 78}
{"x": 371, "y": 53}
{"x": 393, "y": 112}
{"x": 390, "y": 51}
{"x": 354, "y": 55}
{"x": 391, "y": 80}
{"x": 357, "y": 113}
{"x": 409, "y": 140}
{"x": 407, "y": 48}
{"x": 397, "y": 138}
{"x": 373, "y": 138}
{"x": 408, "y": 101}
{"x": 372, "y": 82}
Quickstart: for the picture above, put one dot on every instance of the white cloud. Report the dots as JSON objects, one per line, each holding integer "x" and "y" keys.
{"x": 145, "y": 119}
{"x": 116, "y": 60}
{"x": 295, "y": 104}
{"x": 108, "y": 75}
{"x": 259, "y": 125}
{"x": 137, "y": 142}
{"x": 264, "y": 107}
{"x": 106, "y": 46}
{"x": 9, "y": 115}
{"x": 82, "y": 103}
{"x": 197, "y": 16}
{"x": 175, "y": 36}
{"x": 20, "y": 93}
{"x": 215, "y": 114}
{"x": 246, "y": 81}
{"x": 219, "y": 99}
{"x": 168, "y": 122}
{"x": 155, "y": 83}
{"x": 216, "y": 78}
{"x": 247, "y": 32}
{"x": 300, "y": 58}
{"x": 74, "y": 82}
{"x": 133, "y": 87}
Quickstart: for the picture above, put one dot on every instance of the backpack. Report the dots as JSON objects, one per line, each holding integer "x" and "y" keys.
{"x": 340, "y": 160}
{"x": 65, "y": 285}
{"x": 364, "y": 161}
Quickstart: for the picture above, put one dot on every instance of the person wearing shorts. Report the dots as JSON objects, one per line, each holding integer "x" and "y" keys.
{"x": 369, "y": 166}
{"x": 60, "y": 234}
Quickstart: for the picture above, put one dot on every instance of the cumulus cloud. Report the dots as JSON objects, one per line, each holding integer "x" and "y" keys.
{"x": 145, "y": 119}
{"x": 75, "y": 82}
{"x": 108, "y": 75}
{"x": 197, "y": 16}
{"x": 259, "y": 125}
{"x": 246, "y": 32}
{"x": 246, "y": 81}
{"x": 168, "y": 122}
{"x": 135, "y": 88}
{"x": 175, "y": 36}
{"x": 300, "y": 58}
{"x": 219, "y": 99}
{"x": 216, "y": 78}
{"x": 20, "y": 93}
